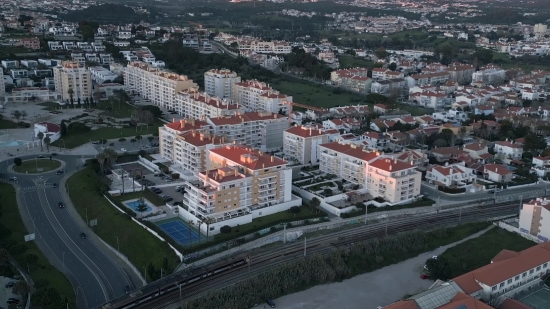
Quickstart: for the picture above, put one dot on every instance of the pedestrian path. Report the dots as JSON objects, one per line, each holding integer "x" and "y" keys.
{"x": 28, "y": 189}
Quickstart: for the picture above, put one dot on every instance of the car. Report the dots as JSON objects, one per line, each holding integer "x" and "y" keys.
{"x": 59, "y": 172}
{"x": 158, "y": 191}
{"x": 424, "y": 277}
{"x": 156, "y": 175}
{"x": 83, "y": 235}
{"x": 10, "y": 284}
{"x": 12, "y": 300}
{"x": 54, "y": 154}
{"x": 40, "y": 156}
{"x": 61, "y": 205}
{"x": 434, "y": 257}
{"x": 270, "y": 303}
{"x": 13, "y": 178}
{"x": 95, "y": 143}
{"x": 127, "y": 289}
{"x": 491, "y": 191}
{"x": 54, "y": 185}
{"x": 123, "y": 149}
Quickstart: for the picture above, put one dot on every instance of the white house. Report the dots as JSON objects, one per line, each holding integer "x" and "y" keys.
{"x": 497, "y": 173}
{"x": 509, "y": 149}
{"x": 451, "y": 175}
{"x": 48, "y": 129}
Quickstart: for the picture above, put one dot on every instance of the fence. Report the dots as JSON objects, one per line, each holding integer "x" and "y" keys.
{"x": 149, "y": 165}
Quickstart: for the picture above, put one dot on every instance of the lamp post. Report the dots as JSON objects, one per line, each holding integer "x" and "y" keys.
{"x": 86, "y": 209}
{"x": 118, "y": 246}
{"x": 63, "y": 256}
{"x": 145, "y": 270}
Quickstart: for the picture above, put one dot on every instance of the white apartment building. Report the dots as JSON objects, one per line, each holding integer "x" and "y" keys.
{"x": 383, "y": 176}
{"x": 531, "y": 218}
{"x": 241, "y": 184}
{"x": 301, "y": 143}
{"x": 72, "y": 81}
{"x": 489, "y": 74}
{"x": 170, "y": 131}
{"x": 260, "y": 130}
{"x": 509, "y": 149}
{"x": 508, "y": 274}
{"x": 101, "y": 75}
{"x": 451, "y": 175}
{"x": 262, "y": 47}
{"x": 191, "y": 150}
{"x": 220, "y": 83}
{"x": 154, "y": 84}
{"x": 193, "y": 104}
{"x": 255, "y": 95}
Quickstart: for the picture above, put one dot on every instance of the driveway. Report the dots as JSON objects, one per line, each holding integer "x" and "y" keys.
{"x": 378, "y": 288}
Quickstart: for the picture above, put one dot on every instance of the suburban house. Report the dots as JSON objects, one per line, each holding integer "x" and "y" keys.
{"x": 509, "y": 149}
{"x": 497, "y": 173}
{"x": 451, "y": 175}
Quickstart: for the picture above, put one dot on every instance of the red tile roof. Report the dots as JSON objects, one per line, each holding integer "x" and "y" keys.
{"x": 303, "y": 131}
{"x": 51, "y": 127}
{"x": 390, "y": 165}
{"x": 252, "y": 159}
{"x": 351, "y": 150}
{"x": 186, "y": 125}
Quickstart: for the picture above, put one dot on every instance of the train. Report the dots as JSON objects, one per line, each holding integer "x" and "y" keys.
{"x": 173, "y": 283}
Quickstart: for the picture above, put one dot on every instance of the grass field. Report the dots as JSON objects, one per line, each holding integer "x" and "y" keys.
{"x": 479, "y": 251}
{"x": 6, "y": 124}
{"x": 31, "y": 166}
{"x": 75, "y": 140}
{"x": 140, "y": 246}
{"x": 41, "y": 271}
{"x": 347, "y": 61}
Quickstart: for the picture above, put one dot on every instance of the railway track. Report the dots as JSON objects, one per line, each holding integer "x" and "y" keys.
{"x": 235, "y": 269}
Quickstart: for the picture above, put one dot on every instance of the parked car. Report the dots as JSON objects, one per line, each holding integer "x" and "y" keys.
{"x": 54, "y": 154}
{"x": 424, "y": 277}
{"x": 123, "y": 149}
{"x": 40, "y": 156}
{"x": 127, "y": 289}
{"x": 10, "y": 284}
{"x": 54, "y": 185}
{"x": 270, "y": 303}
{"x": 12, "y": 300}
{"x": 13, "y": 178}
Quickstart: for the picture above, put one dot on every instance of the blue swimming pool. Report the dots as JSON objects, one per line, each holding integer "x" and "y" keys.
{"x": 134, "y": 205}
{"x": 13, "y": 144}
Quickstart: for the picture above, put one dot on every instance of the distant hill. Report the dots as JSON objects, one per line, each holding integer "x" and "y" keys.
{"x": 108, "y": 14}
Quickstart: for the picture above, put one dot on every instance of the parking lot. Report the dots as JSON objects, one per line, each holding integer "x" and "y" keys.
{"x": 168, "y": 189}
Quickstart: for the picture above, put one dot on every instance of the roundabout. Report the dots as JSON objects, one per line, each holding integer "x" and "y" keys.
{"x": 37, "y": 166}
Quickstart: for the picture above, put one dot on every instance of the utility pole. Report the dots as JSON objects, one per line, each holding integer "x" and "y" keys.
{"x": 305, "y": 246}
{"x": 284, "y": 233}
{"x": 366, "y": 210}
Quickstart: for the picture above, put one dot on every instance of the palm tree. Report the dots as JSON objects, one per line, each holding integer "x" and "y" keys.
{"x": 141, "y": 207}
{"x": 101, "y": 157}
{"x": 150, "y": 139}
{"x": 71, "y": 95}
{"x": 207, "y": 221}
{"x": 138, "y": 137}
{"x": 40, "y": 137}
{"x": 190, "y": 228}
{"x": 111, "y": 156}
{"x": 133, "y": 140}
{"x": 16, "y": 114}
{"x": 199, "y": 222}
{"x": 47, "y": 141}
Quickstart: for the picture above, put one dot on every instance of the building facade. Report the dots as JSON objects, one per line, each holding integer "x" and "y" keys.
{"x": 170, "y": 131}
{"x": 255, "y": 96}
{"x": 220, "y": 83}
{"x": 72, "y": 81}
{"x": 194, "y": 104}
{"x": 302, "y": 143}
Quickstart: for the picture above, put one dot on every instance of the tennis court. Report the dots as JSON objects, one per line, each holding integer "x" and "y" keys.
{"x": 538, "y": 300}
{"x": 179, "y": 231}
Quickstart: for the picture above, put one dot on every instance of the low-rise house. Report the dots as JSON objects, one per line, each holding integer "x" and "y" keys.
{"x": 497, "y": 173}
{"x": 451, "y": 175}
{"x": 375, "y": 140}
{"x": 478, "y": 151}
{"x": 382, "y": 125}
{"x": 509, "y": 149}
{"x": 444, "y": 154}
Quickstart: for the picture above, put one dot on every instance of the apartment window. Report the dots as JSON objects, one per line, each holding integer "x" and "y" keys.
{"x": 517, "y": 278}
{"x": 545, "y": 265}
{"x": 494, "y": 288}
{"x": 501, "y": 285}
{"x": 531, "y": 271}
{"x": 524, "y": 275}
{"x": 509, "y": 281}
{"x": 538, "y": 268}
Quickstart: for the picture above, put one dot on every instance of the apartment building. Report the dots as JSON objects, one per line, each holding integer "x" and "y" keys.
{"x": 191, "y": 150}
{"x": 301, "y": 143}
{"x": 155, "y": 84}
{"x": 255, "y": 95}
{"x": 220, "y": 83}
{"x": 169, "y": 132}
{"x": 461, "y": 73}
{"x": 531, "y": 218}
{"x": 101, "y": 75}
{"x": 348, "y": 161}
{"x": 381, "y": 74}
{"x": 428, "y": 79}
{"x": 489, "y": 74}
{"x": 260, "y": 130}
{"x": 263, "y": 47}
{"x": 241, "y": 184}
{"x": 194, "y": 104}
{"x": 32, "y": 43}
{"x": 72, "y": 81}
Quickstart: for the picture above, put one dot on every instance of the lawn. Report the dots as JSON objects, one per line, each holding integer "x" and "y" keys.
{"x": 6, "y": 124}
{"x": 74, "y": 140}
{"x": 140, "y": 246}
{"x": 112, "y": 108}
{"x": 41, "y": 271}
{"x": 34, "y": 166}
{"x": 347, "y": 61}
{"x": 479, "y": 251}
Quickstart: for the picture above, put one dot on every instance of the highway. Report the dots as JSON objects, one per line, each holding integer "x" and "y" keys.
{"x": 96, "y": 278}
{"x": 194, "y": 283}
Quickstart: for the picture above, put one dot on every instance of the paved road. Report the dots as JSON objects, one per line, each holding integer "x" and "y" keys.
{"x": 131, "y": 148}
{"x": 95, "y": 276}
{"x": 457, "y": 198}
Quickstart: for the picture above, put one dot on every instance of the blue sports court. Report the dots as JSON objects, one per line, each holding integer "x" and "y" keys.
{"x": 179, "y": 231}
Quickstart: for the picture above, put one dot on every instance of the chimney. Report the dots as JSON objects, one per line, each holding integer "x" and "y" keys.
{"x": 263, "y": 165}
{"x": 173, "y": 119}
{"x": 496, "y": 170}
{"x": 272, "y": 159}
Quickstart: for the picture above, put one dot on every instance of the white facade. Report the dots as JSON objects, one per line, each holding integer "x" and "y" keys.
{"x": 169, "y": 133}
{"x": 220, "y": 83}
{"x": 72, "y": 75}
{"x": 193, "y": 104}
{"x": 100, "y": 75}
{"x": 451, "y": 175}
{"x": 302, "y": 143}
{"x": 509, "y": 149}
{"x": 255, "y": 95}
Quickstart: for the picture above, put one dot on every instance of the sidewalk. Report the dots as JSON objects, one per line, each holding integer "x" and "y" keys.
{"x": 134, "y": 278}
{"x": 378, "y": 288}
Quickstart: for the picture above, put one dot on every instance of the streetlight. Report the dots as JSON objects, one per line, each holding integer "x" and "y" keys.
{"x": 63, "y": 255}
{"x": 86, "y": 209}
{"x": 145, "y": 270}
{"x": 117, "y": 245}
{"x": 179, "y": 286}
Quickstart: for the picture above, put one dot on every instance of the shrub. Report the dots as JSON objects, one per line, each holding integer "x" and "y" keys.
{"x": 226, "y": 229}
{"x": 295, "y": 209}
{"x": 17, "y": 161}
{"x": 78, "y": 127}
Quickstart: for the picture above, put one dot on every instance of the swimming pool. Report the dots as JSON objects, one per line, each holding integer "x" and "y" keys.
{"x": 134, "y": 205}
{"x": 13, "y": 144}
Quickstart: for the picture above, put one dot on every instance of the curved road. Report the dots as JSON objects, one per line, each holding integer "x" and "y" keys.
{"x": 96, "y": 278}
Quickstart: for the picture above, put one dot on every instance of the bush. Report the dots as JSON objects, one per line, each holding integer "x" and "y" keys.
{"x": 17, "y": 161}
{"x": 451, "y": 190}
{"x": 226, "y": 229}
{"x": 295, "y": 209}
{"x": 78, "y": 127}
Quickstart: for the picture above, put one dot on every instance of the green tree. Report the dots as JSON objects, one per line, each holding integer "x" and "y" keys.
{"x": 21, "y": 288}
{"x": 439, "y": 268}
{"x": 226, "y": 229}
{"x": 47, "y": 298}
{"x": 63, "y": 128}
{"x": 314, "y": 203}
{"x": 141, "y": 206}
{"x": 16, "y": 114}
{"x": 41, "y": 138}
{"x": 71, "y": 96}
{"x": 534, "y": 142}
{"x": 47, "y": 141}
{"x": 381, "y": 53}
{"x": 122, "y": 140}
{"x": 17, "y": 161}
{"x": 392, "y": 66}
{"x": 150, "y": 139}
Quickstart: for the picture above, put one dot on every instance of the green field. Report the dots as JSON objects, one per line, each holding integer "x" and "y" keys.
{"x": 35, "y": 166}
{"x": 6, "y": 124}
{"x": 347, "y": 61}
{"x": 315, "y": 94}
{"x": 478, "y": 252}
{"x": 140, "y": 246}
{"x": 41, "y": 271}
